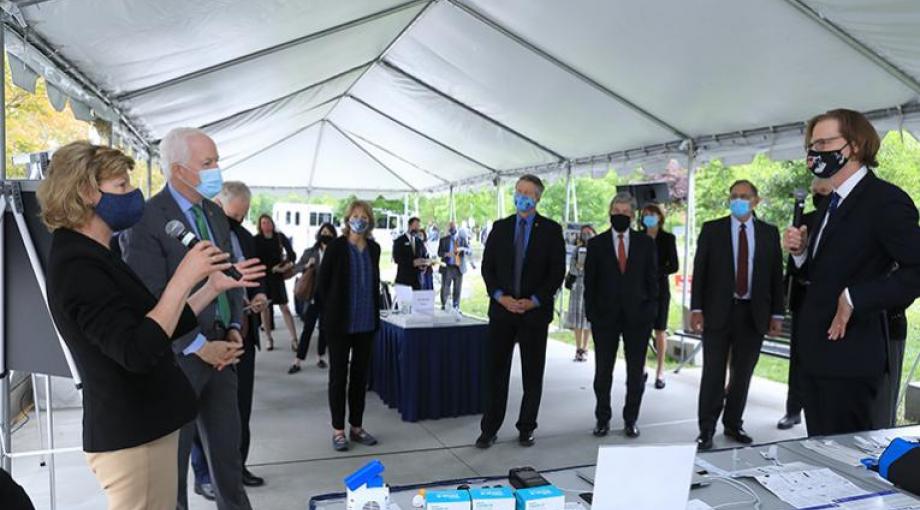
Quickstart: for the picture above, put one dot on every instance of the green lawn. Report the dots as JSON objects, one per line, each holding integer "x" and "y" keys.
{"x": 476, "y": 303}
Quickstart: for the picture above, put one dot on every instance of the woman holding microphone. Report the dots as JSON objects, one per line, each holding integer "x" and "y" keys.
{"x": 135, "y": 397}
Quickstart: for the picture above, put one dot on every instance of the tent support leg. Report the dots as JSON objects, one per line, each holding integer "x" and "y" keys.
{"x": 5, "y": 436}
{"x": 568, "y": 190}
{"x": 453, "y": 206}
{"x": 688, "y": 234}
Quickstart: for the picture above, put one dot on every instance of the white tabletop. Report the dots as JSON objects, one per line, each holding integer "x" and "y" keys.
{"x": 440, "y": 319}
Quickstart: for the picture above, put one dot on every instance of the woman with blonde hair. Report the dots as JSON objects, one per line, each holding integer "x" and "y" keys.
{"x": 349, "y": 287}
{"x": 135, "y": 397}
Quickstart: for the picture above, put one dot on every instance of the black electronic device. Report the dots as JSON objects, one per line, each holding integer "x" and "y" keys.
{"x": 526, "y": 478}
{"x": 176, "y": 229}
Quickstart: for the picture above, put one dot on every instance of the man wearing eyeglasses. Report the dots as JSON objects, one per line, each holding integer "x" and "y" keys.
{"x": 866, "y": 227}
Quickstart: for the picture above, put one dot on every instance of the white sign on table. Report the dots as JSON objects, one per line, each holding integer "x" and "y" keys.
{"x": 647, "y": 477}
{"x": 423, "y": 302}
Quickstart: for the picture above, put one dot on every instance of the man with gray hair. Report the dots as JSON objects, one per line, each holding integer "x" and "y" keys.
{"x": 621, "y": 300}
{"x": 189, "y": 159}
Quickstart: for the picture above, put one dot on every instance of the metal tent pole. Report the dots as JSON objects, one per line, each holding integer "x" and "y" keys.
{"x": 453, "y": 206}
{"x": 49, "y": 422}
{"x": 149, "y": 174}
{"x": 575, "y": 200}
{"x": 568, "y": 190}
{"x": 417, "y": 211}
{"x": 688, "y": 234}
{"x": 499, "y": 199}
{"x": 5, "y": 462}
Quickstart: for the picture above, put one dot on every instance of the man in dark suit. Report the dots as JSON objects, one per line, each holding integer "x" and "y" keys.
{"x": 866, "y": 227}
{"x": 454, "y": 251}
{"x": 741, "y": 299}
{"x": 796, "y": 286}
{"x": 189, "y": 160}
{"x": 621, "y": 298}
{"x": 410, "y": 256}
{"x": 523, "y": 266}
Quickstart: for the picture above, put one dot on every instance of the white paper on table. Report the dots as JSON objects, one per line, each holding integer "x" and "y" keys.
{"x": 806, "y": 489}
{"x": 888, "y": 500}
{"x": 695, "y": 504}
{"x": 423, "y": 302}
{"x": 403, "y": 296}
{"x": 836, "y": 451}
{"x": 646, "y": 477}
{"x": 768, "y": 470}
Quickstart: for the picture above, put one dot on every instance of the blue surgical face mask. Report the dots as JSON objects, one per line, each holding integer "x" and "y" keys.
{"x": 650, "y": 220}
{"x": 523, "y": 203}
{"x": 358, "y": 225}
{"x": 740, "y": 207}
{"x": 211, "y": 182}
{"x": 121, "y": 212}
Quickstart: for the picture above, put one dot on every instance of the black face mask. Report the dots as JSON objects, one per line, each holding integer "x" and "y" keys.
{"x": 326, "y": 239}
{"x": 619, "y": 222}
{"x": 825, "y": 164}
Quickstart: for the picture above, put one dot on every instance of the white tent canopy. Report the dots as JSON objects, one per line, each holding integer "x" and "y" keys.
{"x": 394, "y": 96}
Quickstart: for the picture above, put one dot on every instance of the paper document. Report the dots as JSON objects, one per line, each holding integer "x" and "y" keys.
{"x": 836, "y": 451}
{"x": 423, "y": 302}
{"x": 817, "y": 488}
{"x": 768, "y": 470}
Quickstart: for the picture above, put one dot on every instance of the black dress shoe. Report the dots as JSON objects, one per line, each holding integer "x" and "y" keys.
{"x": 206, "y": 491}
{"x": 659, "y": 384}
{"x": 601, "y": 430}
{"x": 704, "y": 442}
{"x": 631, "y": 430}
{"x": 485, "y": 441}
{"x": 739, "y": 435}
{"x": 251, "y": 480}
{"x": 294, "y": 369}
{"x": 789, "y": 421}
{"x": 526, "y": 439}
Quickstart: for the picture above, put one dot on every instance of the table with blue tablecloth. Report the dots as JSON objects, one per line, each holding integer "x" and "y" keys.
{"x": 429, "y": 369}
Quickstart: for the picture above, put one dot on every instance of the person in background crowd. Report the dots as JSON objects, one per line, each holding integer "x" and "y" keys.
{"x": 621, "y": 299}
{"x": 523, "y": 266}
{"x": 796, "y": 287}
{"x": 666, "y": 249}
{"x": 348, "y": 286}
{"x": 275, "y": 252}
{"x": 741, "y": 299}
{"x": 426, "y": 277}
{"x": 575, "y": 319}
{"x": 454, "y": 251}
{"x": 313, "y": 257}
{"x": 410, "y": 256}
{"x": 861, "y": 260}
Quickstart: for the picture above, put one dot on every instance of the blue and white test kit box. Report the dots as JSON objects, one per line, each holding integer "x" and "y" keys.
{"x": 540, "y": 498}
{"x": 447, "y": 500}
{"x": 499, "y": 498}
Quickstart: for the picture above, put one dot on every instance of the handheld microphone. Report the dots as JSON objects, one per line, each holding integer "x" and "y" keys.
{"x": 177, "y": 230}
{"x": 798, "y": 210}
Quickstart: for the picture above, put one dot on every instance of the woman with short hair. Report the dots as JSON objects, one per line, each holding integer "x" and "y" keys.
{"x": 348, "y": 285}
{"x": 653, "y": 224}
{"x": 135, "y": 397}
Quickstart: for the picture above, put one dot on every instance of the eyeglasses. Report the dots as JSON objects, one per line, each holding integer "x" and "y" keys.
{"x": 822, "y": 143}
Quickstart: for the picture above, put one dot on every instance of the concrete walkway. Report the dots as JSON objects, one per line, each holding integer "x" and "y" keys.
{"x": 291, "y": 434}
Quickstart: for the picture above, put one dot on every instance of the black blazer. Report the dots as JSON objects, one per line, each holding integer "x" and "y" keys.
{"x": 333, "y": 285}
{"x": 544, "y": 266}
{"x": 133, "y": 390}
{"x": 668, "y": 263}
{"x": 873, "y": 228}
{"x": 610, "y": 294}
{"x": 406, "y": 273}
{"x": 248, "y": 247}
{"x": 714, "y": 274}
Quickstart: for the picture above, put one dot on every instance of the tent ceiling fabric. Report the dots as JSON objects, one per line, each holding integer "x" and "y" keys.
{"x": 394, "y": 96}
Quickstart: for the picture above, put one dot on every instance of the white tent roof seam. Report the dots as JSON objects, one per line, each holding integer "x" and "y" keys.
{"x": 387, "y": 97}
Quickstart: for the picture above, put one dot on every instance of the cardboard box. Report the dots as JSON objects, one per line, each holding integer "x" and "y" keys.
{"x": 447, "y": 500}
{"x": 493, "y": 499}
{"x": 540, "y": 498}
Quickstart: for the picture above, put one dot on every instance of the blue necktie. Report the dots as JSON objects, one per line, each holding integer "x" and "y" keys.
{"x": 832, "y": 206}
{"x": 519, "y": 256}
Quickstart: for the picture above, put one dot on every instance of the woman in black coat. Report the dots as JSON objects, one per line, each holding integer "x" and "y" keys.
{"x": 349, "y": 286}
{"x": 135, "y": 397}
{"x": 653, "y": 221}
{"x": 276, "y": 253}
{"x": 313, "y": 257}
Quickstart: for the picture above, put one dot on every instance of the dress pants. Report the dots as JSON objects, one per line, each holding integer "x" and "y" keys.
{"x": 742, "y": 340}
{"x": 451, "y": 284}
{"x": 310, "y": 317}
{"x": 138, "y": 478}
{"x": 794, "y": 395}
{"x": 606, "y": 344}
{"x": 348, "y": 378}
{"x": 835, "y": 405}
{"x": 504, "y": 333}
{"x": 218, "y": 424}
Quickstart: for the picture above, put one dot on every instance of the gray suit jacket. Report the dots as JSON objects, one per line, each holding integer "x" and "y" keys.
{"x": 154, "y": 255}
